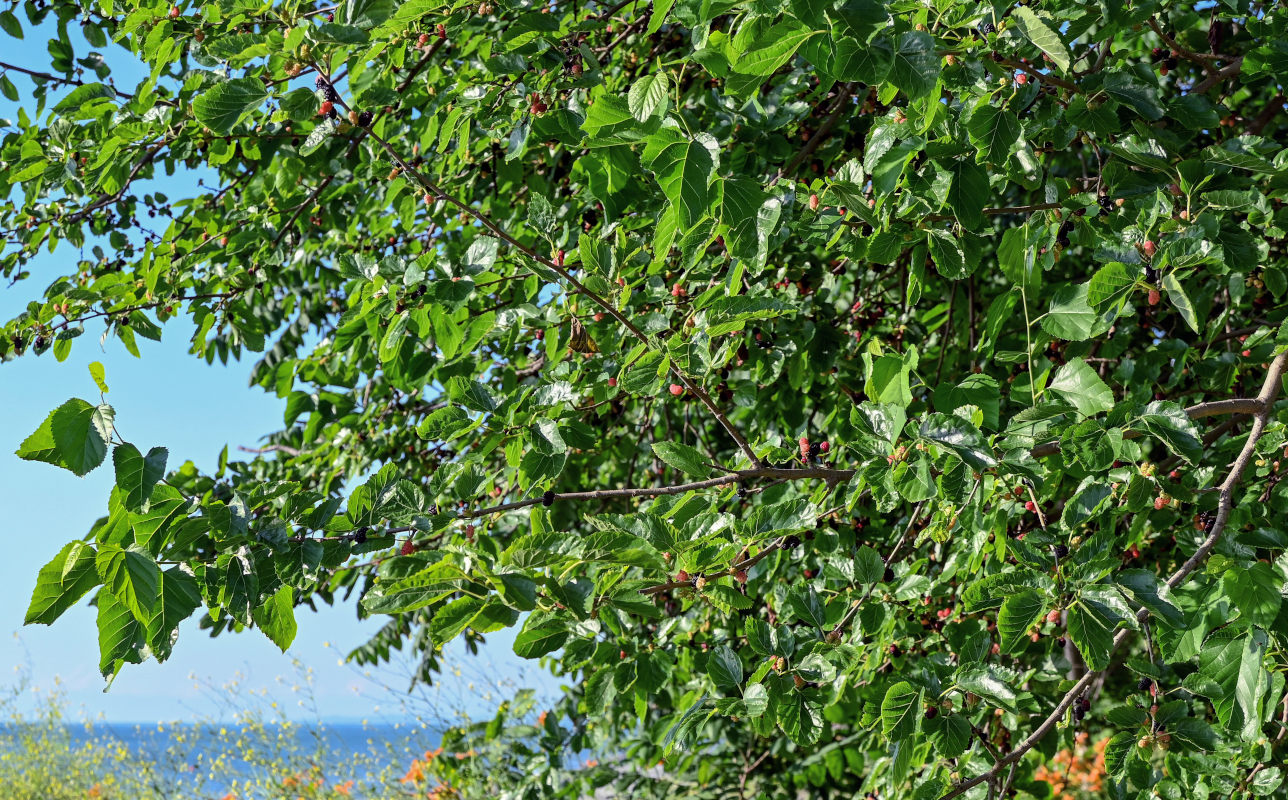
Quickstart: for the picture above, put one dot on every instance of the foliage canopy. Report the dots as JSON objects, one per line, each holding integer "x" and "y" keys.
{"x": 844, "y": 396}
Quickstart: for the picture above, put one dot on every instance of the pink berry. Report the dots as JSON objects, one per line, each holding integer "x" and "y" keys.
{"x": 677, "y": 389}
{"x": 824, "y": 447}
{"x": 1029, "y": 505}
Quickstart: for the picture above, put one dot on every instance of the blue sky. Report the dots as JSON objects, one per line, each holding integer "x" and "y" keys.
{"x": 171, "y": 399}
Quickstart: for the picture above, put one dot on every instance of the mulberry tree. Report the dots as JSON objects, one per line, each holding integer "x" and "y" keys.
{"x": 842, "y": 398}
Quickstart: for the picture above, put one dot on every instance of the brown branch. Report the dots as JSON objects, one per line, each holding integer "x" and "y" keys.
{"x": 1044, "y": 77}
{"x": 272, "y": 448}
{"x": 1219, "y": 77}
{"x": 1264, "y": 403}
{"x": 108, "y": 199}
{"x": 988, "y": 212}
{"x": 45, "y": 76}
{"x": 1202, "y": 59}
{"x": 1238, "y": 405}
{"x": 819, "y": 135}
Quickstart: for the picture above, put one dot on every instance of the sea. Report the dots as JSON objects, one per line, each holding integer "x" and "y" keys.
{"x": 228, "y": 761}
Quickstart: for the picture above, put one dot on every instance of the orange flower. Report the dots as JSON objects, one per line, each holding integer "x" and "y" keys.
{"x": 95, "y": 791}
{"x": 541, "y": 718}
{"x": 414, "y": 775}
{"x": 594, "y": 762}
{"x": 229, "y": 796}
{"x": 344, "y": 788}
{"x": 430, "y": 755}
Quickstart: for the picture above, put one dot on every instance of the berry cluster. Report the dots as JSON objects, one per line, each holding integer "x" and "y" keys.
{"x": 330, "y": 98}
{"x": 1167, "y": 59}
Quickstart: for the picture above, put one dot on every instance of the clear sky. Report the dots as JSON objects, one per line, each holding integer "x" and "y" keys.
{"x": 171, "y": 399}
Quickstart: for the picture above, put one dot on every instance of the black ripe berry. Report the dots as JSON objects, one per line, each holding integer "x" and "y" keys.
{"x": 1060, "y": 641}
{"x": 364, "y": 119}
{"x": 548, "y": 499}
{"x": 792, "y": 542}
{"x": 987, "y": 28}
{"x": 1062, "y": 236}
{"x": 320, "y": 82}
{"x": 360, "y": 536}
{"x": 40, "y": 342}
{"x": 888, "y": 576}
{"x": 932, "y": 712}
{"x": 1061, "y": 551}
{"x": 1151, "y": 276}
{"x": 1144, "y": 683}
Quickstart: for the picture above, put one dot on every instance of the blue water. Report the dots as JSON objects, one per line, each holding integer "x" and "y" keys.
{"x": 184, "y": 753}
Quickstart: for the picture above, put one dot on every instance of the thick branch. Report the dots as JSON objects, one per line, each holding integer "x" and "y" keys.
{"x": 1219, "y": 77}
{"x": 1237, "y": 405}
{"x": 842, "y": 104}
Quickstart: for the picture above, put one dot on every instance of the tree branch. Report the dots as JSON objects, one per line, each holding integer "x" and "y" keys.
{"x": 819, "y": 135}
{"x": 1238, "y": 405}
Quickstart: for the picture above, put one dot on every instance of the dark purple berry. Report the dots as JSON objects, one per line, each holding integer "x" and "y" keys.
{"x": 548, "y": 499}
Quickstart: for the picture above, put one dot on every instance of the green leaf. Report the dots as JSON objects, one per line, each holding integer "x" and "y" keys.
{"x": 450, "y": 620}
{"x": 1042, "y": 37}
{"x": 683, "y": 168}
{"x": 1019, "y": 613}
{"x": 868, "y": 565}
{"x": 132, "y": 576}
{"x": 772, "y": 49}
{"x": 541, "y": 214}
{"x": 1181, "y": 301}
{"x": 725, "y": 668}
{"x": 1079, "y": 385}
{"x": 1091, "y": 498}
{"x": 648, "y": 96}
{"x": 1118, "y": 752}
{"x": 74, "y": 436}
{"x": 967, "y": 196}
{"x": 177, "y": 598}
{"x": 99, "y": 375}
{"x": 1256, "y": 590}
{"x": 62, "y": 582}
{"x": 960, "y": 437}
{"x": 994, "y": 131}
{"x": 276, "y": 617}
{"x": 1144, "y": 587}
{"x": 1070, "y": 316}
{"x": 989, "y": 682}
{"x": 120, "y": 635}
{"x": 946, "y": 251}
{"x": 1110, "y": 284}
{"x": 900, "y": 711}
{"x": 1169, "y": 422}
{"x": 223, "y": 105}
{"x": 1232, "y": 657}
{"x": 806, "y": 606}
{"x": 915, "y": 68}
{"x": 136, "y": 474}
{"x": 1092, "y": 621}
{"x": 540, "y": 640}
{"x": 683, "y": 457}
